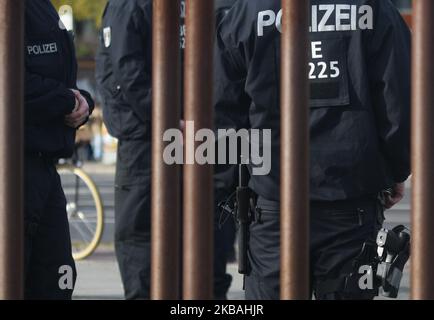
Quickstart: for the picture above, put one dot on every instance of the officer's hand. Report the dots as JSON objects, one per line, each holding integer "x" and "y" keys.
{"x": 77, "y": 104}
{"x": 396, "y": 196}
{"x": 80, "y": 114}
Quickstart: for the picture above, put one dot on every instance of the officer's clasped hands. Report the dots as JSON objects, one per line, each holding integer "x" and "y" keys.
{"x": 396, "y": 195}
{"x": 80, "y": 113}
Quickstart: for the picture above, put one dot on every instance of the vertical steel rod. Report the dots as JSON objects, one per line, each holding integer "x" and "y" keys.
{"x": 294, "y": 152}
{"x": 11, "y": 148}
{"x": 198, "y": 195}
{"x": 422, "y": 260}
{"x": 165, "y": 188}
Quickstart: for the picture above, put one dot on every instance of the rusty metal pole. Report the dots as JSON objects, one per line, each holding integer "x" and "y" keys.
{"x": 422, "y": 251}
{"x": 198, "y": 190}
{"x": 294, "y": 152}
{"x": 11, "y": 148}
{"x": 165, "y": 188}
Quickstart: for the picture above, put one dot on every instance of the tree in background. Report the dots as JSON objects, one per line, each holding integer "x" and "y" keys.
{"x": 87, "y": 18}
{"x": 84, "y": 10}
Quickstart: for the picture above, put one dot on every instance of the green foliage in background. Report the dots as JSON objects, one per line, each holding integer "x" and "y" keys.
{"x": 84, "y": 10}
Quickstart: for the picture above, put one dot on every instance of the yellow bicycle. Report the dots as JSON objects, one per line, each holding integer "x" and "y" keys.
{"x": 84, "y": 207}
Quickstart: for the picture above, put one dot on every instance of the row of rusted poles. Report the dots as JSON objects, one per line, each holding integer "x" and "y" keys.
{"x": 11, "y": 149}
{"x": 197, "y": 180}
{"x": 422, "y": 249}
{"x": 198, "y": 209}
{"x": 294, "y": 157}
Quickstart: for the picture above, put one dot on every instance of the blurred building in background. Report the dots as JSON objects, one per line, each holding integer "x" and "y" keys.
{"x": 403, "y": 4}
{"x": 405, "y": 8}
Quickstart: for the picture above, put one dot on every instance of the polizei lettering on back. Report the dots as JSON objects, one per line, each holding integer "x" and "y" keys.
{"x": 324, "y": 18}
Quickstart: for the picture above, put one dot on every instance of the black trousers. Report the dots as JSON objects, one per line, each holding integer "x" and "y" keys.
{"x": 133, "y": 224}
{"x": 49, "y": 267}
{"x": 224, "y": 238}
{"x": 133, "y": 217}
{"x": 338, "y": 231}
{"x": 225, "y": 178}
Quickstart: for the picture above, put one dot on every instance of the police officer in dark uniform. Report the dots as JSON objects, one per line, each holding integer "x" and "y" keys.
{"x": 124, "y": 65}
{"x": 54, "y": 109}
{"x": 359, "y": 73}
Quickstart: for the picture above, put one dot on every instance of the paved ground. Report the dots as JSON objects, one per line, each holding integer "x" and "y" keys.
{"x": 99, "y": 276}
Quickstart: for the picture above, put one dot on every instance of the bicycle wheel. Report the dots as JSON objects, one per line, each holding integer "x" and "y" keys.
{"x": 84, "y": 208}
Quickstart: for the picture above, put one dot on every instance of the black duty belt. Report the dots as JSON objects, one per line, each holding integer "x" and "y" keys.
{"x": 41, "y": 156}
{"x": 272, "y": 205}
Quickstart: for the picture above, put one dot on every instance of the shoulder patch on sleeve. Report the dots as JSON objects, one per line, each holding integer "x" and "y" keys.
{"x": 107, "y": 33}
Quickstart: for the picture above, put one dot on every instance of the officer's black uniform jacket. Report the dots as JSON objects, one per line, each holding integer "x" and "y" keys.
{"x": 222, "y": 7}
{"x": 124, "y": 67}
{"x": 51, "y": 70}
{"x": 360, "y": 91}
{"x": 225, "y": 176}
{"x": 124, "y": 64}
